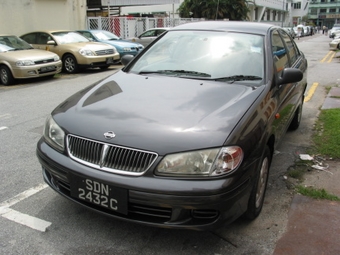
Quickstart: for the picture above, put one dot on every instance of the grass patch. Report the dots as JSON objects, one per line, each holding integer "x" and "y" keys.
{"x": 326, "y": 140}
{"x": 327, "y": 136}
{"x": 298, "y": 170}
{"x": 58, "y": 75}
{"x": 316, "y": 193}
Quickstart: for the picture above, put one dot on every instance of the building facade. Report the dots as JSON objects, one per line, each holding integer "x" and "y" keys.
{"x": 278, "y": 12}
{"x": 324, "y": 12}
{"x": 21, "y": 16}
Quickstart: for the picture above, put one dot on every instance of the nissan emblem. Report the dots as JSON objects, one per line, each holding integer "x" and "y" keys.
{"x": 109, "y": 135}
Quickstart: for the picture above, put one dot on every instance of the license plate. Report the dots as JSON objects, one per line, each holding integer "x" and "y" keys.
{"x": 109, "y": 61}
{"x": 100, "y": 194}
{"x": 47, "y": 68}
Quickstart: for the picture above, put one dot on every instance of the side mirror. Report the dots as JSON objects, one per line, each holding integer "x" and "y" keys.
{"x": 51, "y": 42}
{"x": 126, "y": 59}
{"x": 290, "y": 75}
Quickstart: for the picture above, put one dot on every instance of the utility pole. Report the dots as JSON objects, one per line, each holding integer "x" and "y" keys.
{"x": 218, "y": 3}
{"x": 109, "y": 14}
{"x": 283, "y": 12}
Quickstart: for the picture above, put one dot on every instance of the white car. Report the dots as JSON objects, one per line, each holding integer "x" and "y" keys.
{"x": 335, "y": 44}
{"x": 148, "y": 36}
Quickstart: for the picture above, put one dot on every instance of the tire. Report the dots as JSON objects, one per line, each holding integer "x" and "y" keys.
{"x": 70, "y": 64}
{"x": 258, "y": 192}
{"x": 6, "y": 76}
{"x": 297, "y": 118}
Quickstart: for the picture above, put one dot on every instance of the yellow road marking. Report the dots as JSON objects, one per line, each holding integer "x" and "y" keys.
{"x": 311, "y": 92}
{"x": 329, "y": 55}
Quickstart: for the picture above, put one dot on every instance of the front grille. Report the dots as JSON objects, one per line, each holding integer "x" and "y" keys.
{"x": 44, "y": 61}
{"x": 108, "y": 157}
{"x": 104, "y": 52}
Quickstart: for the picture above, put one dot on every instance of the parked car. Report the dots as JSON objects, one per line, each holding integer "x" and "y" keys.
{"x": 298, "y": 29}
{"x": 306, "y": 30}
{"x": 290, "y": 31}
{"x": 183, "y": 136}
{"x": 148, "y": 36}
{"x": 75, "y": 50}
{"x": 335, "y": 44}
{"x": 123, "y": 47}
{"x": 19, "y": 60}
{"x": 335, "y": 30}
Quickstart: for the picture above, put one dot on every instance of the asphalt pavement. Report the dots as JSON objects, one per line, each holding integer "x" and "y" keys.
{"x": 314, "y": 225}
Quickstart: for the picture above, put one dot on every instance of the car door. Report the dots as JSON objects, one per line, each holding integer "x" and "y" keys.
{"x": 286, "y": 54}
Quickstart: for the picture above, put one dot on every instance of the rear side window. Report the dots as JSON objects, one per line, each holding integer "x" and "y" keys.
{"x": 30, "y": 38}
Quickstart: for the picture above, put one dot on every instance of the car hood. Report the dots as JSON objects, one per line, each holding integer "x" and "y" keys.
{"x": 157, "y": 113}
{"x": 88, "y": 45}
{"x": 121, "y": 43}
{"x": 31, "y": 54}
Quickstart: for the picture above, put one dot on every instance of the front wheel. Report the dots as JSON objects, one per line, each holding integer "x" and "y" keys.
{"x": 257, "y": 195}
{"x": 6, "y": 76}
{"x": 70, "y": 64}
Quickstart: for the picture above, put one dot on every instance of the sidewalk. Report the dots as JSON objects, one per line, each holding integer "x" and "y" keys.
{"x": 313, "y": 226}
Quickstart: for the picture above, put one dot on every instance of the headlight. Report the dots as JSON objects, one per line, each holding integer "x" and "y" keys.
{"x": 24, "y": 63}
{"x": 56, "y": 58}
{"x": 86, "y": 52}
{"x": 212, "y": 162}
{"x": 53, "y": 134}
{"x": 126, "y": 49}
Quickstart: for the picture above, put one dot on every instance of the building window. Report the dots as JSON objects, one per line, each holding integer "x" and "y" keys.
{"x": 297, "y": 5}
{"x": 323, "y": 10}
{"x": 323, "y": 1}
{"x": 332, "y": 10}
{"x": 314, "y": 11}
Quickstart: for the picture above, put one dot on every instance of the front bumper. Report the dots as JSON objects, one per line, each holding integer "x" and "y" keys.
{"x": 333, "y": 45}
{"x": 97, "y": 61}
{"x": 34, "y": 71}
{"x": 161, "y": 202}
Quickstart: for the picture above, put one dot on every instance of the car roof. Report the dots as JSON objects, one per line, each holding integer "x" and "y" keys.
{"x": 50, "y": 31}
{"x": 159, "y": 28}
{"x": 237, "y": 26}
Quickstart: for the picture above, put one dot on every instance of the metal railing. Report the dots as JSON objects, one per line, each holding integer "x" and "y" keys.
{"x": 125, "y": 27}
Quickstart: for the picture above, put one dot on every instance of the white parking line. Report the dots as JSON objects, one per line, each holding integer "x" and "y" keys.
{"x": 3, "y": 128}
{"x": 22, "y": 218}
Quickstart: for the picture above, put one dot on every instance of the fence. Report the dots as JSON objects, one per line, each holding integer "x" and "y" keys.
{"x": 125, "y": 27}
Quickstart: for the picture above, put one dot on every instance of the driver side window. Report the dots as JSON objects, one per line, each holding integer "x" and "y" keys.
{"x": 279, "y": 53}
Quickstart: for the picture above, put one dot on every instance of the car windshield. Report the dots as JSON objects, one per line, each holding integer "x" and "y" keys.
{"x": 105, "y": 35}
{"x": 69, "y": 37}
{"x": 205, "y": 55}
{"x": 12, "y": 43}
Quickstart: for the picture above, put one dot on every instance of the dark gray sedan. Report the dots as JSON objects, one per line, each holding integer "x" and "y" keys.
{"x": 183, "y": 136}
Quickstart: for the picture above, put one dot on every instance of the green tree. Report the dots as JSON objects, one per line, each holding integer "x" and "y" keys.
{"x": 214, "y": 9}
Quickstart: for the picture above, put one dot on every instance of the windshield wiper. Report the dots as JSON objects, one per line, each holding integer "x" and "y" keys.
{"x": 178, "y": 72}
{"x": 234, "y": 78}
